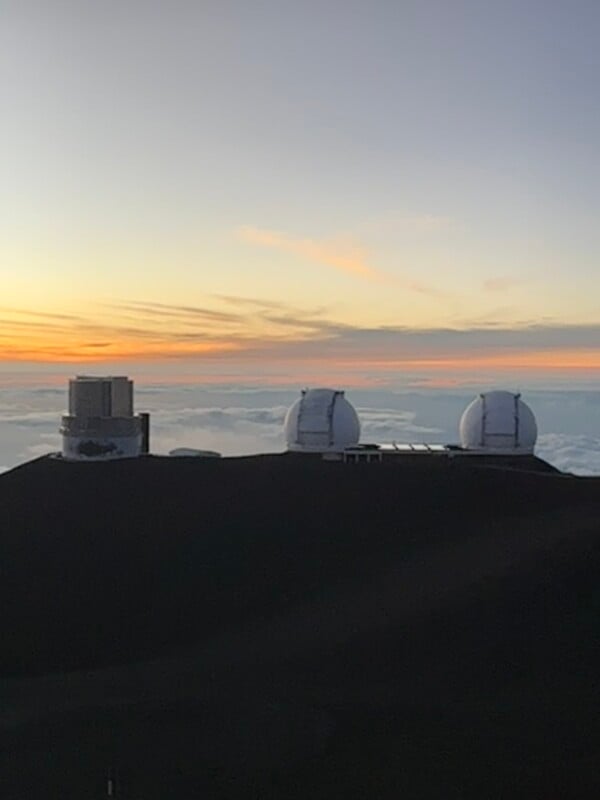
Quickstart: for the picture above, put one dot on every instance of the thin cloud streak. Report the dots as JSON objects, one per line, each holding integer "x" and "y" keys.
{"x": 161, "y": 330}
{"x": 277, "y": 335}
{"x": 249, "y": 302}
{"x": 343, "y": 256}
{"x": 175, "y": 311}
{"x": 42, "y": 314}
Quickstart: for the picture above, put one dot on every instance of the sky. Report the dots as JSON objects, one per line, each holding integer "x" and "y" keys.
{"x": 299, "y": 193}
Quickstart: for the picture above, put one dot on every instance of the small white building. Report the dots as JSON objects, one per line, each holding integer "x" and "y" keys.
{"x": 498, "y": 423}
{"x": 192, "y": 452}
{"x": 101, "y": 423}
{"x": 321, "y": 421}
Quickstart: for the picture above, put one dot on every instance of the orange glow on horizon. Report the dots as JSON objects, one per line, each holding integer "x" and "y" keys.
{"x": 271, "y": 342}
{"x": 528, "y": 359}
{"x": 532, "y": 359}
{"x": 76, "y": 353}
{"x": 275, "y": 352}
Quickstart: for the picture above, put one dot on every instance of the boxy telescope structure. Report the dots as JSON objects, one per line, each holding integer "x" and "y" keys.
{"x": 101, "y": 423}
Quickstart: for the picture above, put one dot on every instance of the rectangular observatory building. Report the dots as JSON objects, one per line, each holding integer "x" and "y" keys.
{"x": 101, "y": 423}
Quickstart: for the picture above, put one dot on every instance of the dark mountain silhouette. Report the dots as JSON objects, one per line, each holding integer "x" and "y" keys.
{"x": 284, "y": 627}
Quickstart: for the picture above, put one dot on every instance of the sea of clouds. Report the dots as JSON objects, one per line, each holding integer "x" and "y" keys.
{"x": 242, "y": 420}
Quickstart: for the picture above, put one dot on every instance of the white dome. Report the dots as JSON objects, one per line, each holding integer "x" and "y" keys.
{"x": 321, "y": 420}
{"x": 498, "y": 421}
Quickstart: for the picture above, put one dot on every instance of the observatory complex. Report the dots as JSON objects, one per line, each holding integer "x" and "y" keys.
{"x": 323, "y": 421}
{"x": 101, "y": 423}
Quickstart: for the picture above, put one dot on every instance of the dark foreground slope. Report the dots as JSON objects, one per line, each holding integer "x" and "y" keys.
{"x": 285, "y": 627}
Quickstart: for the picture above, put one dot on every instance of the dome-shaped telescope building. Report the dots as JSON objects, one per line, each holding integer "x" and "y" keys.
{"x": 498, "y": 422}
{"x": 321, "y": 421}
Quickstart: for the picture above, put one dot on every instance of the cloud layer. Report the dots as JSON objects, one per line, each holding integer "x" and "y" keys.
{"x": 579, "y": 454}
{"x": 237, "y": 421}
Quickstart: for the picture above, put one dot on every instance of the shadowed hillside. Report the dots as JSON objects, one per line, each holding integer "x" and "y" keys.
{"x": 279, "y": 626}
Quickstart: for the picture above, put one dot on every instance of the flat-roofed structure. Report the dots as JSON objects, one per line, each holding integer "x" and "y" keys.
{"x": 379, "y": 452}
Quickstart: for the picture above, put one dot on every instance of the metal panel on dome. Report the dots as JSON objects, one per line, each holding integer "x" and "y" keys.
{"x": 315, "y": 416}
{"x": 496, "y": 422}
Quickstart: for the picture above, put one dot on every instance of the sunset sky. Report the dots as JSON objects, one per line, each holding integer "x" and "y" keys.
{"x": 301, "y": 191}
